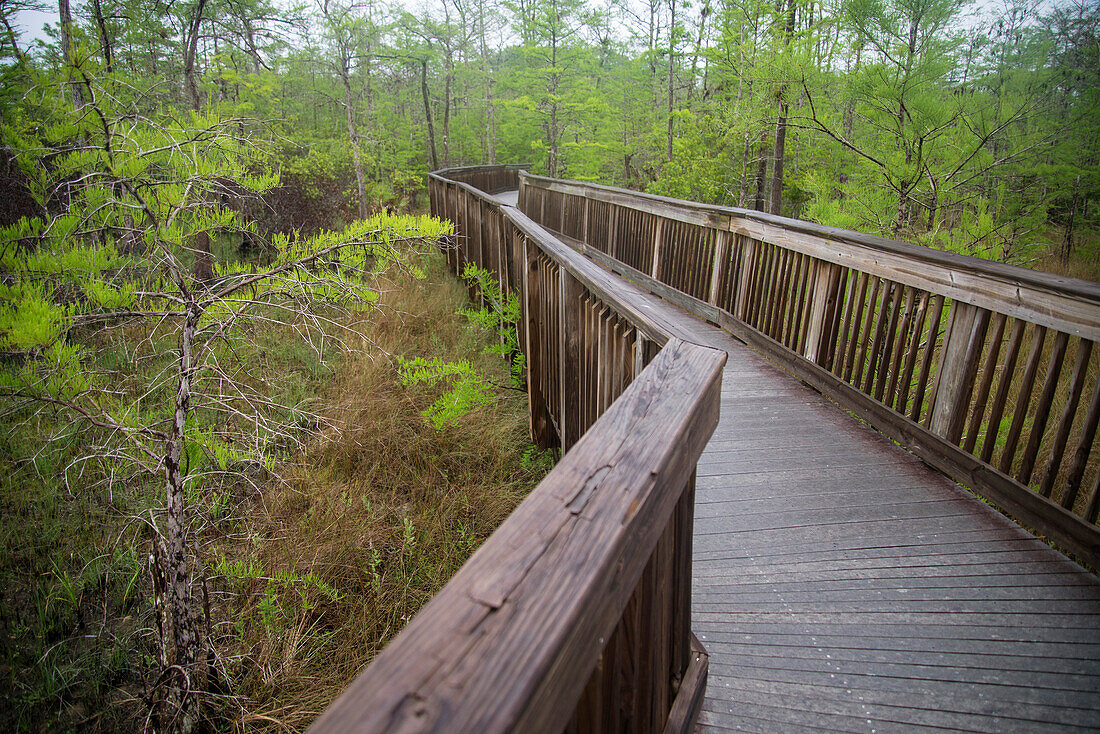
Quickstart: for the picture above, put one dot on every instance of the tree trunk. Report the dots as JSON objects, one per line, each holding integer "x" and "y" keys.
{"x": 104, "y": 39}
{"x": 204, "y": 258}
{"x": 13, "y": 37}
{"x": 428, "y": 112}
{"x": 671, "y": 69}
{"x": 778, "y": 156}
{"x": 182, "y": 642}
{"x": 353, "y": 134}
{"x": 190, "y": 77}
{"x": 761, "y": 171}
{"x": 490, "y": 121}
{"x": 447, "y": 114}
{"x": 1067, "y": 240}
{"x": 779, "y": 152}
{"x": 65, "y": 20}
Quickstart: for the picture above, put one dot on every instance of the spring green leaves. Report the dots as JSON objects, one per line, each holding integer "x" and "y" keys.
{"x": 466, "y": 390}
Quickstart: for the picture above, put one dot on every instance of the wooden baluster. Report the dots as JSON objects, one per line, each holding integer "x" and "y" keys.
{"x": 906, "y": 379}
{"x": 883, "y": 359}
{"x": 743, "y": 297}
{"x": 607, "y": 358}
{"x": 802, "y": 313}
{"x": 790, "y": 296}
{"x": 926, "y": 362}
{"x": 851, "y": 287}
{"x": 865, "y": 334}
{"x": 777, "y": 297}
{"x": 657, "y": 231}
{"x": 981, "y": 400}
{"x": 899, "y": 351}
{"x": 1081, "y": 457}
{"x": 962, "y": 351}
{"x": 1008, "y": 372}
{"x": 1023, "y": 399}
{"x": 882, "y": 316}
{"x": 731, "y": 273}
{"x": 584, "y": 230}
{"x": 854, "y": 335}
{"x": 542, "y": 432}
{"x": 766, "y": 289}
{"x": 571, "y": 329}
{"x": 1093, "y": 506}
{"x": 721, "y": 258}
{"x": 1042, "y": 409}
{"x": 662, "y": 603}
{"x": 684, "y": 520}
{"x": 599, "y": 363}
{"x": 613, "y": 232}
{"x": 582, "y": 390}
{"x": 821, "y": 311}
{"x": 618, "y": 375}
{"x": 1057, "y": 450}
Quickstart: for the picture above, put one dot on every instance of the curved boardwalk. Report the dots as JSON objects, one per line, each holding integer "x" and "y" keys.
{"x": 840, "y": 585}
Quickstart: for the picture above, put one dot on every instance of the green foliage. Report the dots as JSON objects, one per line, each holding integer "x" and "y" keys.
{"x": 499, "y": 316}
{"x": 465, "y": 389}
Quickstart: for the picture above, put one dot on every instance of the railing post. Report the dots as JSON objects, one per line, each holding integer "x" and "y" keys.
{"x": 571, "y": 327}
{"x": 584, "y": 227}
{"x": 826, "y": 282}
{"x": 962, "y": 349}
{"x": 534, "y": 280}
{"x": 721, "y": 254}
{"x": 612, "y": 229}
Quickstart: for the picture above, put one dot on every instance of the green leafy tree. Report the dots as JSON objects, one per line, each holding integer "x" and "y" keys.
{"x": 127, "y": 192}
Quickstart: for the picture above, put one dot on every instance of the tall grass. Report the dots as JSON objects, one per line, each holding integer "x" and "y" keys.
{"x": 373, "y": 519}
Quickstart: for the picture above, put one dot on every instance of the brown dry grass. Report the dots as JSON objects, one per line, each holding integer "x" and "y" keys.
{"x": 371, "y": 522}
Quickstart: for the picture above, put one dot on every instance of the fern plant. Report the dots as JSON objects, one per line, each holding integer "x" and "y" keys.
{"x": 467, "y": 390}
{"x": 499, "y": 315}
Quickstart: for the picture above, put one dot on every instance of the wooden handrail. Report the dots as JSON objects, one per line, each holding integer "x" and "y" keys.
{"x": 576, "y": 611}
{"x": 985, "y": 370}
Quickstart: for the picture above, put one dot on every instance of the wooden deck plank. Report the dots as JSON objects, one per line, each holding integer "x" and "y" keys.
{"x": 816, "y": 537}
{"x": 805, "y": 703}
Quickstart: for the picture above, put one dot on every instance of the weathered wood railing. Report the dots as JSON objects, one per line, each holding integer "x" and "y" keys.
{"x": 575, "y": 614}
{"x": 986, "y": 371}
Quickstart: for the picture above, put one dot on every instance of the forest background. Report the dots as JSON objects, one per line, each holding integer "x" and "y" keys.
{"x": 970, "y": 127}
{"x": 192, "y": 269}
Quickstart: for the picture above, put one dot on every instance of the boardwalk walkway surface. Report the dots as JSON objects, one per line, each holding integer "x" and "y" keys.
{"x": 840, "y": 585}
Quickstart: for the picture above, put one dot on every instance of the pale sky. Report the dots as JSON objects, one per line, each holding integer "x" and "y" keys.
{"x": 29, "y": 22}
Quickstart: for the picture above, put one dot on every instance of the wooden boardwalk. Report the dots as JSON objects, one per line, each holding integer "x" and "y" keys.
{"x": 840, "y": 585}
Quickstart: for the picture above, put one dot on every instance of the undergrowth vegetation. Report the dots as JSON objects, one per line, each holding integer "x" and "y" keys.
{"x": 315, "y": 556}
{"x": 372, "y": 520}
